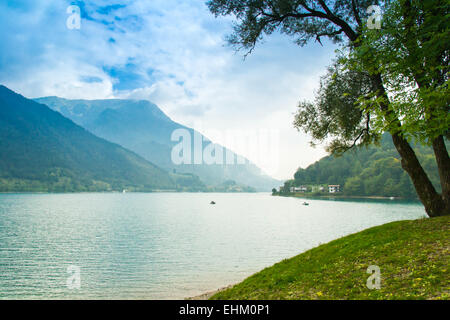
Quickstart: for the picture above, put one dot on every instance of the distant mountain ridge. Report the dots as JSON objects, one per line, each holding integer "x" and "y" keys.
{"x": 142, "y": 127}
{"x": 41, "y": 150}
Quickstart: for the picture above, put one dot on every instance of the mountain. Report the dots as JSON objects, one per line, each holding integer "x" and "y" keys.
{"x": 371, "y": 171}
{"x": 142, "y": 127}
{"x": 41, "y": 150}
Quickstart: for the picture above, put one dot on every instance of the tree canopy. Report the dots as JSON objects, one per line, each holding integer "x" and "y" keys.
{"x": 393, "y": 79}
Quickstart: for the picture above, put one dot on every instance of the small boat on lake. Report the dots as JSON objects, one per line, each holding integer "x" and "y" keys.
{"x": 305, "y": 203}
{"x": 212, "y": 202}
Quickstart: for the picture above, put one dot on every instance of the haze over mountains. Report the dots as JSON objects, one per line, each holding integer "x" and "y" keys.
{"x": 40, "y": 150}
{"x": 142, "y": 127}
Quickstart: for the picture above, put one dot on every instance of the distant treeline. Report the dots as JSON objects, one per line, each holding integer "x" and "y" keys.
{"x": 60, "y": 182}
{"x": 372, "y": 171}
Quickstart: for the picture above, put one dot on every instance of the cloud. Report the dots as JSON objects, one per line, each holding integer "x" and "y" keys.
{"x": 171, "y": 52}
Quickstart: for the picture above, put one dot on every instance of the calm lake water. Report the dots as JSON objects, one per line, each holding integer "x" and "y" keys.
{"x": 164, "y": 245}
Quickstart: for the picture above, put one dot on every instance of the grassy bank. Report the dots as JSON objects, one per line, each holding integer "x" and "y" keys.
{"x": 413, "y": 257}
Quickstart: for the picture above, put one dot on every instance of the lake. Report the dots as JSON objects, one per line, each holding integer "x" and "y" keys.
{"x": 164, "y": 245}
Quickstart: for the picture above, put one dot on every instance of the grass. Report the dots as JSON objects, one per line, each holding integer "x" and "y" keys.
{"x": 413, "y": 257}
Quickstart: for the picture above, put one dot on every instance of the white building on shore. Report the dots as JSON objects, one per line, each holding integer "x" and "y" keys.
{"x": 334, "y": 188}
{"x": 299, "y": 189}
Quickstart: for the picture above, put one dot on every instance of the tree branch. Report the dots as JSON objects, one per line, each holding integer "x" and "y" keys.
{"x": 328, "y": 15}
{"x": 325, "y": 7}
{"x": 350, "y": 33}
{"x": 364, "y": 130}
{"x": 355, "y": 12}
{"x": 328, "y": 34}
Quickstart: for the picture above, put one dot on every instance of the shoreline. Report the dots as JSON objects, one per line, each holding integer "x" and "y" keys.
{"x": 136, "y": 192}
{"x": 307, "y": 276}
{"x": 209, "y": 294}
{"x": 309, "y": 196}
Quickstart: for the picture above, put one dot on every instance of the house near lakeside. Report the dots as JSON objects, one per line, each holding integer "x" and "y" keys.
{"x": 299, "y": 189}
{"x": 311, "y": 189}
{"x": 334, "y": 188}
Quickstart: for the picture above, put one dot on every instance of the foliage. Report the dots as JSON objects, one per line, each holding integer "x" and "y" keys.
{"x": 368, "y": 171}
{"x": 406, "y": 63}
{"x": 303, "y": 20}
{"x": 337, "y": 115}
{"x": 188, "y": 182}
{"x": 412, "y": 53}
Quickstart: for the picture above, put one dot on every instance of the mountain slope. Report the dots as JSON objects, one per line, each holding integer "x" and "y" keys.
{"x": 40, "y": 150}
{"x": 372, "y": 171}
{"x": 143, "y": 128}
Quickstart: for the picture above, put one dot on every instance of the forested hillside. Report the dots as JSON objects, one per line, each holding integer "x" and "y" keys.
{"x": 372, "y": 171}
{"x": 140, "y": 126}
{"x": 40, "y": 150}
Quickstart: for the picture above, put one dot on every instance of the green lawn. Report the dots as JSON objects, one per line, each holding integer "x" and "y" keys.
{"x": 413, "y": 257}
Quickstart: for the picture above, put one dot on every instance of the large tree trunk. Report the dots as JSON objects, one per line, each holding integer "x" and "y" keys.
{"x": 412, "y": 16}
{"x": 433, "y": 202}
{"x": 443, "y": 163}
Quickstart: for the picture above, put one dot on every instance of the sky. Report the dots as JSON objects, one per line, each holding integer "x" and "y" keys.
{"x": 174, "y": 54}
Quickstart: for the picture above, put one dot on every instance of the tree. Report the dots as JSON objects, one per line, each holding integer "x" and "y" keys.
{"x": 411, "y": 53}
{"x": 337, "y": 113}
{"x": 354, "y": 186}
{"x": 380, "y": 102}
